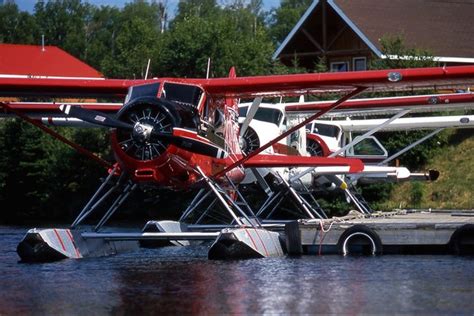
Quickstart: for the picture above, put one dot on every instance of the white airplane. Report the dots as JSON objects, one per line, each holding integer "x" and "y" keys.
{"x": 335, "y": 138}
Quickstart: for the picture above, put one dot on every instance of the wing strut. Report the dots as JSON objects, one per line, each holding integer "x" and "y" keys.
{"x": 291, "y": 130}
{"x": 59, "y": 137}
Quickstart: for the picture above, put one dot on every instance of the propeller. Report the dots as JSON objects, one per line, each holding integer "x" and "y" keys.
{"x": 250, "y": 114}
{"x": 94, "y": 117}
{"x": 249, "y": 140}
{"x": 144, "y": 132}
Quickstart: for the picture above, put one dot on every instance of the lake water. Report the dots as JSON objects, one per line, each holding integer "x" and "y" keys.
{"x": 176, "y": 280}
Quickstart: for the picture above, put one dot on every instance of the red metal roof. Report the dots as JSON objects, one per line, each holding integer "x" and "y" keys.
{"x": 31, "y": 60}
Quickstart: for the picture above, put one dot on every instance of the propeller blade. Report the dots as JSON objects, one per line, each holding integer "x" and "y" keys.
{"x": 93, "y": 117}
{"x": 190, "y": 144}
{"x": 193, "y": 145}
{"x": 250, "y": 114}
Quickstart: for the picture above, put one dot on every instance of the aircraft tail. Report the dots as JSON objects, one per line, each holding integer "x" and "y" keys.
{"x": 232, "y": 102}
{"x": 232, "y": 73}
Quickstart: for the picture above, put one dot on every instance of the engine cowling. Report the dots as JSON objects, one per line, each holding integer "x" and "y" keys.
{"x": 145, "y": 155}
{"x": 147, "y": 114}
{"x": 315, "y": 146}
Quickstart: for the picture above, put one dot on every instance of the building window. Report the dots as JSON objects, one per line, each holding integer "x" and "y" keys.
{"x": 359, "y": 63}
{"x": 339, "y": 66}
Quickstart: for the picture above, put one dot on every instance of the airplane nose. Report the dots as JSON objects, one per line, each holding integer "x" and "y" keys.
{"x": 153, "y": 120}
{"x": 249, "y": 141}
{"x": 142, "y": 133}
{"x": 146, "y": 115}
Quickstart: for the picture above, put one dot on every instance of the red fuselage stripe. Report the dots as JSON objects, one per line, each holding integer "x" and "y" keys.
{"x": 261, "y": 241}
{"x": 59, "y": 238}
{"x": 253, "y": 242}
{"x": 78, "y": 255}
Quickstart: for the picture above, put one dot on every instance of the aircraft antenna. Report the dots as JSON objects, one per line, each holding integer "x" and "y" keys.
{"x": 208, "y": 67}
{"x": 147, "y": 68}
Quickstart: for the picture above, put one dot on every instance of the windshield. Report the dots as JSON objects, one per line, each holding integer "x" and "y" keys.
{"x": 243, "y": 111}
{"x": 264, "y": 114}
{"x": 187, "y": 94}
{"x": 326, "y": 130}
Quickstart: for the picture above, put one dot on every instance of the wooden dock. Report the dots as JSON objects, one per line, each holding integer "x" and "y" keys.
{"x": 401, "y": 231}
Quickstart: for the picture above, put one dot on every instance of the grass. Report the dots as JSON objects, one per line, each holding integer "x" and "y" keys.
{"x": 455, "y": 185}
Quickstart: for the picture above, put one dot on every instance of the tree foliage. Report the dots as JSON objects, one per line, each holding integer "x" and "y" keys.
{"x": 42, "y": 176}
{"x": 284, "y": 18}
{"x": 16, "y": 26}
{"x": 229, "y": 39}
{"x": 63, "y": 24}
{"x": 398, "y": 55}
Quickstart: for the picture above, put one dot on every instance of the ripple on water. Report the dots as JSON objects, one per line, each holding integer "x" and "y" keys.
{"x": 182, "y": 280}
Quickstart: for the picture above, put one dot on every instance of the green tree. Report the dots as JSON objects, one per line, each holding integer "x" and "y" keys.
{"x": 398, "y": 55}
{"x": 100, "y": 35}
{"x": 283, "y": 19}
{"x": 43, "y": 177}
{"x": 205, "y": 9}
{"x": 135, "y": 41}
{"x": 232, "y": 37}
{"x": 17, "y": 27}
{"x": 63, "y": 22}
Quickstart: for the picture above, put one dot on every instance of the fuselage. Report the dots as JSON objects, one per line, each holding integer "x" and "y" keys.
{"x": 183, "y": 110}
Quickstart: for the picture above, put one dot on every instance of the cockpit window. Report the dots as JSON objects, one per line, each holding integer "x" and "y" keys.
{"x": 326, "y": 130}
{"x": 145, "y": 90}
{"x": 368, "y": 147}
{"x": 243, "y": 111}
{"x": 264, "y": 114}
{"x": 269, "y": 115}
{"x": 182, "y": 93}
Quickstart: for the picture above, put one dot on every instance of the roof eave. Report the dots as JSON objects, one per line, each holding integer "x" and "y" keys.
{"x": 295, "y": 29}
{"x": 441, "y": 59}
{"x": 338, "y": 10}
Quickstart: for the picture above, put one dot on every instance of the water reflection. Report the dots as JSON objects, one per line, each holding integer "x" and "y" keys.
{"x": 309, "y": 284}
{"x": 182, "y": 280}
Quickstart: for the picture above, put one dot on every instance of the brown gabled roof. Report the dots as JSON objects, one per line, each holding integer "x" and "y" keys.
{"x": 444, "y": 27}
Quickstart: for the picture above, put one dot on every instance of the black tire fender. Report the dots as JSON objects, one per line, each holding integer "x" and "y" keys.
{"x": 461, "y": 234}
{"x": 360, "y": 232}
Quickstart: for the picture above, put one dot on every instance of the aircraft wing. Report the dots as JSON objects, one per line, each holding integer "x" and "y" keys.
{"x": 69, "y": 87}
{"x": 406, "y": 124}
{"x": 275, "y": 161}
{"x": 375, "y": 80}
{"x": 378, "y": 106}
{"x": 400, "y": 79}
{"x": 295, "y": 84}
